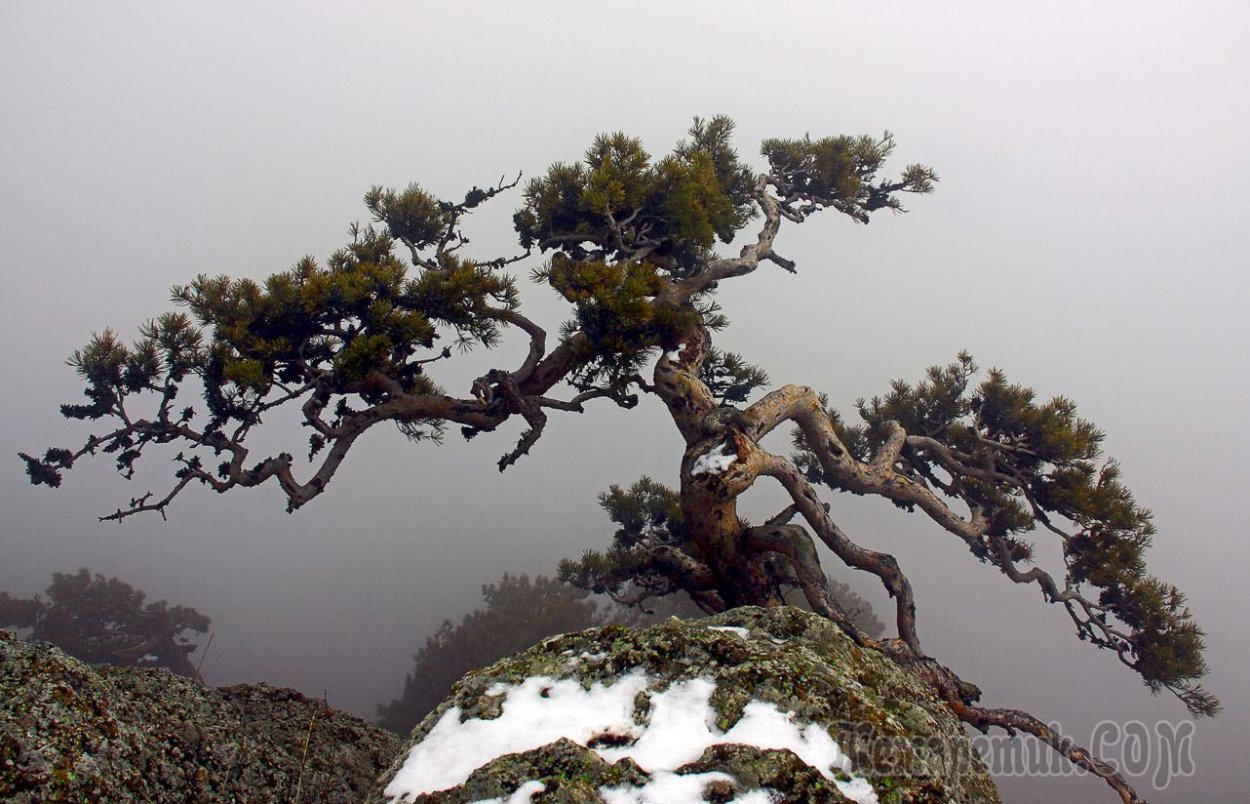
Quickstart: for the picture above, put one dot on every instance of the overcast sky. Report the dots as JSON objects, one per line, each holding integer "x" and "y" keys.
{"x": 1087, "y": 236}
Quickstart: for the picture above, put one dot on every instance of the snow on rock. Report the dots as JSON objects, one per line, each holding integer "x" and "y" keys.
{"x": 714, "y": 461}
{"x": 523, "y": 795}
{"x": 669, "y": 788}
{"x": 681, "y": 726}
{"x": 750, "y": 706}
{"x": 541, "y": 710}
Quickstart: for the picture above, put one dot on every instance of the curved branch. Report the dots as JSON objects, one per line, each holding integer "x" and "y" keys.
{"x": 747, "y": 260}
{"x": 1014, "y": 720}
{"x": 141, "y": 504}
{"x": 792, "y": 541}
{"x": 691, "y": 574}
{"x": 538, "y": 340}
{"x": 883, "y": 565}
{"x": 795, "y": 543}
{"x": 802, "y": 405}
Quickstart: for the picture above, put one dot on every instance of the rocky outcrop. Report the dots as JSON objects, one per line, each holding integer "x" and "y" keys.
{"x": 756, "y": 706}
{"x": 76, "y": 732}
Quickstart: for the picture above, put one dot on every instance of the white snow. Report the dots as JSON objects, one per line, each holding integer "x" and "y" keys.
{"x": 539, "y": 711}
{"x": 675, "y": 355}
{"x": 681, "y": 726}
{"x": 522, "y": 795}
{"x": 733, "y": 629}
{"x": 762, "y": 796}
{"x": 714, "y": 461}
{"x": 666, "y": 788}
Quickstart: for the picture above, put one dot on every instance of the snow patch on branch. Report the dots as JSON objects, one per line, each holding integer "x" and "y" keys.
{"x": 714, "y": 461}
{"x": 675, "y": 355}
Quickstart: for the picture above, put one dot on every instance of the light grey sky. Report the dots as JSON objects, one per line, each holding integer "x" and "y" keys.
{"x": 1087, "y": 236}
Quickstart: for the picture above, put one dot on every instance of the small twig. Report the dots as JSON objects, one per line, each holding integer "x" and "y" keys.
{"x": 200, "y": 664}
{"x": 303, "y": 761}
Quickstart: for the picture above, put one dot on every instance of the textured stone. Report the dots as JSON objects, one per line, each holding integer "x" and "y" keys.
{"x": 70, "y": 731}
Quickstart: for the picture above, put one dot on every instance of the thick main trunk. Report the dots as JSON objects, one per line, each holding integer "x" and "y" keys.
{"x": 717, "y": 467}
{"x": 710, "y": 511}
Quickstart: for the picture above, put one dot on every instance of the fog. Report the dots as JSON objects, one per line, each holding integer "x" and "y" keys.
{"x": 1087, "y": 236}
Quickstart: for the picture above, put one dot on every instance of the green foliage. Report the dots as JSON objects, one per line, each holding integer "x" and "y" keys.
{"x": 100, "y": 619}
{"x": 710, "y": 148}
{"x": 729, "y": 377}
{"x": 648, "y": 514}
{"x": 612, "y": 308}
{"x": 413, "y": 216}
{"x": 459, "y": 295}
{"x": 168, "y": 349}
{"x": 611, "y": 299}
{"x": 617, "y": 204}
{"x": 935, "y": 407}
{"x": 623, "y": 228}
{"x": 357, "y": 316}
{"x": 839, "y": 172}
{"x": 47, "y": 471}
{"x": 339, "y": 326}
{"x": 619, "y": 177}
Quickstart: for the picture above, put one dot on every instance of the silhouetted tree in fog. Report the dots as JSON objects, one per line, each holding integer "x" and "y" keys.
{"x": 519, "y": 613}
{"x": 100, "y": 619}
{"x": 631, "y": 244}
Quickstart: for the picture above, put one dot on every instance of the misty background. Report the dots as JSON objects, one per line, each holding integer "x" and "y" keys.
{"x": 1088, "y": 236}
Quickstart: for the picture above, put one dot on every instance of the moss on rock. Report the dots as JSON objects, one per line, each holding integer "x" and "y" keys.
{"x": 568, "y": 772}
{"x": 70, "y": 731}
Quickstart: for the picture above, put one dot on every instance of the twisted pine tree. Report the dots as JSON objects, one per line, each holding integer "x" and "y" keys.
{"x": 630, "y": 244}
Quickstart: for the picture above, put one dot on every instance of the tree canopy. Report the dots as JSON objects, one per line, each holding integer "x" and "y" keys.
{"x": 106, "y": 620}
{"x": 634, "y": 245}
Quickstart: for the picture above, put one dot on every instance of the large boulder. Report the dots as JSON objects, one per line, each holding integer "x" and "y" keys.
{"x": 756, "y": 706}
{"x": 70, "y": 731}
